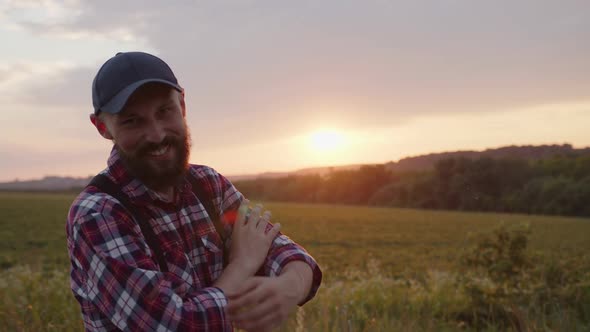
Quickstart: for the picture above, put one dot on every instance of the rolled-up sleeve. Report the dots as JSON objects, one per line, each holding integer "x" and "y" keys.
{"x": 283, "y": 249}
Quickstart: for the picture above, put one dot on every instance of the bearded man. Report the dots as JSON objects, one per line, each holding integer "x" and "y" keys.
{"x": 158, "y": 244}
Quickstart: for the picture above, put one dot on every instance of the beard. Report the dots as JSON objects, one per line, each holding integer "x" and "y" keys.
{"x": 159, "y": 174}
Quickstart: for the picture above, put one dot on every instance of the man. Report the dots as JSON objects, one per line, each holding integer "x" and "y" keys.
{"x": 147, "y": 253}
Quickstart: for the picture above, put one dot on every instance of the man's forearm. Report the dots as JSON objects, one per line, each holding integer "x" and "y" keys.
{"x": 300, "y": 276}
{"x": 231, "y": 279}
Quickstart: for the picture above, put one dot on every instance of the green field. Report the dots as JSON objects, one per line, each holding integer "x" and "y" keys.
{"x": 384, "y": 269}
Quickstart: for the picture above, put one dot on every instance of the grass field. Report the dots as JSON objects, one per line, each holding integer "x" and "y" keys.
{"x": 384, "y": 269}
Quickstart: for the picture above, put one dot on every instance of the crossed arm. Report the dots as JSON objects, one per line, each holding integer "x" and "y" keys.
{"x": 116, "y": 276}
{"x": 260, "y": 303}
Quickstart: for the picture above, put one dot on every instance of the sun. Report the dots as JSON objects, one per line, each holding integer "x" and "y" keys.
{"x": 326, "y": 140}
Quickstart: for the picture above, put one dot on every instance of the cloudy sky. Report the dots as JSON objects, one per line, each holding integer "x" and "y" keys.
{"x": 282, "y": 85}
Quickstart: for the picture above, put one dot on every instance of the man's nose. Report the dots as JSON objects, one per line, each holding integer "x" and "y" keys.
{"x": 155, "y": 132}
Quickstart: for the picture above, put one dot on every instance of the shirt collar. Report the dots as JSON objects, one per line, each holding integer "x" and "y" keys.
{"x": 133, "y": 187}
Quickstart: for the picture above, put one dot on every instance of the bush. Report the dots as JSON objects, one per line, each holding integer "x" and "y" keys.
{"x": 509, "y": 287}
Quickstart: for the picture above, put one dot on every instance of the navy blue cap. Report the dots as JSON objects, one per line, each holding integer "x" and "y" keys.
{"x": 124, "y": 73}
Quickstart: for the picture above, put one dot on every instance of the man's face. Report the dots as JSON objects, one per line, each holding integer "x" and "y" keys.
{"x": 151, "y": 135}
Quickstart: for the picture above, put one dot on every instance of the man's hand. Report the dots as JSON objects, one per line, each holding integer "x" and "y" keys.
{"x": 249, "y": 247}
{"x": 262, "y": 303}
{"x": 250, "y": 240}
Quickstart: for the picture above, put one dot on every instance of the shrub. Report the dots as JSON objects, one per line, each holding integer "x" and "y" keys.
{"x": 508, "y": 286}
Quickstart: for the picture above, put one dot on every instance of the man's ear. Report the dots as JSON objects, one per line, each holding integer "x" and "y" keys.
{"x": 182, "y": 103}
{"x": 100, "y": 126}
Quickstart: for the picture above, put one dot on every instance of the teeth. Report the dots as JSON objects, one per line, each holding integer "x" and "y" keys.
{"x": 160, "y": 151}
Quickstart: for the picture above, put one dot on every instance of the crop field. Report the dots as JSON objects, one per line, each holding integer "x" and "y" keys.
{"x": 384, "y": 269}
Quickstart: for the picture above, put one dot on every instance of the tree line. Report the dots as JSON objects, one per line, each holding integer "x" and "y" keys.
{"x": 558, "y": 185}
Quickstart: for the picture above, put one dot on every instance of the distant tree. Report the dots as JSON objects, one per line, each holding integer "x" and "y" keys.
{"x": 557, "y": 185}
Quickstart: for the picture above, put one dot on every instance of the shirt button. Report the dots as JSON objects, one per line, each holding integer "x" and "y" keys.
{"x": 165, "y": 298}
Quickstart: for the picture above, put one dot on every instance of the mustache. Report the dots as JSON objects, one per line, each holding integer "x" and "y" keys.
{"x": 146, "y": 148}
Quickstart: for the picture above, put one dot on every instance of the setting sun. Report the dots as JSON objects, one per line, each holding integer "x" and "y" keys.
{"x": 325, "y": 140}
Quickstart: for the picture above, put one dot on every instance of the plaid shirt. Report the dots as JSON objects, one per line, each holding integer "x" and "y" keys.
{"x": 114, "y": 275}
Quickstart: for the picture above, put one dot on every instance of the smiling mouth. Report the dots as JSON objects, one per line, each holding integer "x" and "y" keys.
{"x": 159, "y": 152}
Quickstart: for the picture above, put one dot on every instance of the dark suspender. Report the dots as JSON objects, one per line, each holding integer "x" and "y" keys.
{"x": 106, "y": 185}
{"x": 199, "y": 191}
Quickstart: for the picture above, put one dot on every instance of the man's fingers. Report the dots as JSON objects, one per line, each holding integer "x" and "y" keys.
{"x": 274, "y": 231}
{"x": 261, "y": 309}
{"x": 266, "y": 323}
{"x": 242, "y": 211}
{"x": 264, "y": 220}
{"x": 245, "y": 300}
{"x": 242, "y": 296}
{"x": 246, "y": 287}
{"x": 254, "y": 216}
{"x": 255, "y": 313}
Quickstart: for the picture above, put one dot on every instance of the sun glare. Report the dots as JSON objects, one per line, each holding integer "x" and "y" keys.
{"x": 326, "y": 140}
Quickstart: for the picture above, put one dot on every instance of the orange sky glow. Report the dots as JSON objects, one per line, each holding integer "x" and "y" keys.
{"x": 276, "y": 86}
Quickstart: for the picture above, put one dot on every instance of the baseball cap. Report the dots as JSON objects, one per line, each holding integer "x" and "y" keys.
{"x": 124, "y": 73}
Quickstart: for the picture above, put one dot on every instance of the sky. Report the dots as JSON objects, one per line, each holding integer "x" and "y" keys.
{"x": 284, "y": 85}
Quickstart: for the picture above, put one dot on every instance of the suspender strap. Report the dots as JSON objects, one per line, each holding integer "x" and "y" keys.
{"x": 104, "y": 184}
{"x": 214, "y": 214}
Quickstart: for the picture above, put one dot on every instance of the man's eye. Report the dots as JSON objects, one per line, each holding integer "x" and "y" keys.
{"x": 129, "y": 122}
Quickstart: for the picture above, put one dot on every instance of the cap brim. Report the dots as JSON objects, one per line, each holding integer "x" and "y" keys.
{"x": 116, "y": 104}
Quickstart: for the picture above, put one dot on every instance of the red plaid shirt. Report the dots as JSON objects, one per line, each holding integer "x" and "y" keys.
{"x": 114, "y": 275}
